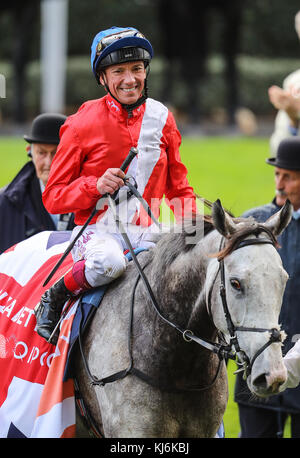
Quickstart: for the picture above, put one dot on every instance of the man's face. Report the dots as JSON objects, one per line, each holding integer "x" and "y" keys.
{"x": 125, "y": 81}
{"x": 42, "y": 156}
{"x": 287, "y": 187}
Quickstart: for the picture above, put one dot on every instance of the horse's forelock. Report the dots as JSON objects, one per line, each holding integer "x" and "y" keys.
{"x": 249, "y": 227}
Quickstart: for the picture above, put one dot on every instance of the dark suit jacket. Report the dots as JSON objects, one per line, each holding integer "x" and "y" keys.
{"x": 22, "y": 213}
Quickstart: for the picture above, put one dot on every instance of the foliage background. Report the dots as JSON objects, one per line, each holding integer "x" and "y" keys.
{"x": 267, "y": 49}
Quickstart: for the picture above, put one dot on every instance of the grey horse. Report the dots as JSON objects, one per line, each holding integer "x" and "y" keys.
{"x": 185, "y": 393}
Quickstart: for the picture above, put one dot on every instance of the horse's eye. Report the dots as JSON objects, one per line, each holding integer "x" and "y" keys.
{"x": 235, "y": 284}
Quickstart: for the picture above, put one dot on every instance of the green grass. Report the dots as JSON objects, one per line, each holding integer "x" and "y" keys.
{"x": 12, "y": 156}
{"x": 231, "y": 169}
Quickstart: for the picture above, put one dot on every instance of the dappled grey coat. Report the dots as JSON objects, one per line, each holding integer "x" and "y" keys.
{"x": 289, "y": 400}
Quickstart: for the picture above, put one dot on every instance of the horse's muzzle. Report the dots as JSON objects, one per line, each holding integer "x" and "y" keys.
{"x": 268, "y": 384}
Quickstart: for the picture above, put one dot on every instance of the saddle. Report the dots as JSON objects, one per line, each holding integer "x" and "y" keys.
{"x": 87, "y": 307}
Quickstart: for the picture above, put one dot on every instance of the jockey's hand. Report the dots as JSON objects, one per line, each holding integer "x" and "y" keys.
{"x": 287, "y": 100}
{"x": 110, "y": 181}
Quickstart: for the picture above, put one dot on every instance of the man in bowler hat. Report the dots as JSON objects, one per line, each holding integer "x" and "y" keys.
{"x": 22, "y": 213}
{"x": 267, "y": 418}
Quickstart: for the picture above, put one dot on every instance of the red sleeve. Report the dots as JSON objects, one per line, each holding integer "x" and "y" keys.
{"x": 180, "y": 195}
{"x": 66, "y": 191}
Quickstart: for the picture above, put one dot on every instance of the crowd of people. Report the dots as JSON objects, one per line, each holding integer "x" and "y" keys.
{"x": 58, "y": 188}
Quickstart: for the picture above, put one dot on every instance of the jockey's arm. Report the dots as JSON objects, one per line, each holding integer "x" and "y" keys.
{"x": 67, "y": 189}
{"x": 180, "y": 196}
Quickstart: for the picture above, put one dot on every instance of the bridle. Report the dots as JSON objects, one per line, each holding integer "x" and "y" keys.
{"x": 222, "y": 348}
{"x": 275, "y": 334}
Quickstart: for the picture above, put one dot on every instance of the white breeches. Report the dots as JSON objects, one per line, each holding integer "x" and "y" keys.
{"x": 104, "y": 252}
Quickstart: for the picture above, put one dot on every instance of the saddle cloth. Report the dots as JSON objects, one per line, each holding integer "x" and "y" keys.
{"x": 37, "y": 392}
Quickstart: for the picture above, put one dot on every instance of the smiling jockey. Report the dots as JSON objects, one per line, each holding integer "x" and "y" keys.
{"x": 93, "y": 145}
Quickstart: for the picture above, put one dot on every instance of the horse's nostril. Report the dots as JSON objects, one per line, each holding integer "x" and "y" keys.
{"x": 275, "y": 387}
{"x": 260, "y": 381}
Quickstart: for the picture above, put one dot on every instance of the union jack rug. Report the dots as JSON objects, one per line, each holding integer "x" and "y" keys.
{"x": 34, "y": 399}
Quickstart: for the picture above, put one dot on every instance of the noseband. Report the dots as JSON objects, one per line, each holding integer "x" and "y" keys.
{"x": 275, "y": 334}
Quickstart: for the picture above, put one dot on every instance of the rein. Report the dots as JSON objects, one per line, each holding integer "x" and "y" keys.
{"x": 187, "y": 335}
{"x": 223, "y": 350}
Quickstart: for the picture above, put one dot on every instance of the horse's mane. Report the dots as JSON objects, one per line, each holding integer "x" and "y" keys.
{"x": 177, "y": 242}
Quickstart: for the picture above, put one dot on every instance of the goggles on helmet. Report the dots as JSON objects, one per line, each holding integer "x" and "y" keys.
{"x": 108, "y": 40}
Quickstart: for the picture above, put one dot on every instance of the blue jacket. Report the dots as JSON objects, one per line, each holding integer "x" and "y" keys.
{"x": 22, "y": 213}
{"x": 289, "y": 240}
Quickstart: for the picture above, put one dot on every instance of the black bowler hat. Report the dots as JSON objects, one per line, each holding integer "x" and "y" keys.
{"x": 45, "y": 128}
{"x": 288, "y": 154}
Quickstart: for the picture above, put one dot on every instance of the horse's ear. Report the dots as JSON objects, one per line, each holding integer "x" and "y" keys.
{"x": 222, "y": 221}
{"x": 279, "y": 221}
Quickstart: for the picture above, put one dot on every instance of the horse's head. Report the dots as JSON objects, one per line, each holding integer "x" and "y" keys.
{"x": 250, "y": 277}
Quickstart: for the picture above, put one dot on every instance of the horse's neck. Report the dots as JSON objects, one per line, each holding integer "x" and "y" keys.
{"x": 181, "y": 292}
{"x": 183, "y": 281}
{"x": 158, "y": 349}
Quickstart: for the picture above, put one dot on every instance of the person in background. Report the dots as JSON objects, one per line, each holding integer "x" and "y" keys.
{"x": 267, "y": 418}
{"x": 22, "y": 212}
{"x": 287, "y": 101}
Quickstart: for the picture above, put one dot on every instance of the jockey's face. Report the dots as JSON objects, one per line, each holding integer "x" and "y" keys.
{"x": 287, "y": 187}
{"x": 125, "y": 81}
{"x": 42, "y": 156}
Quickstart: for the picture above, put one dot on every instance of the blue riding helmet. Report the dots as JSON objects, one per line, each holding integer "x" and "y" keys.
{"x": 119, "y": 44}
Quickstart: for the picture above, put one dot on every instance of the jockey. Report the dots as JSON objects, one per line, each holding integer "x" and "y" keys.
{"x": 94, "y": 143}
